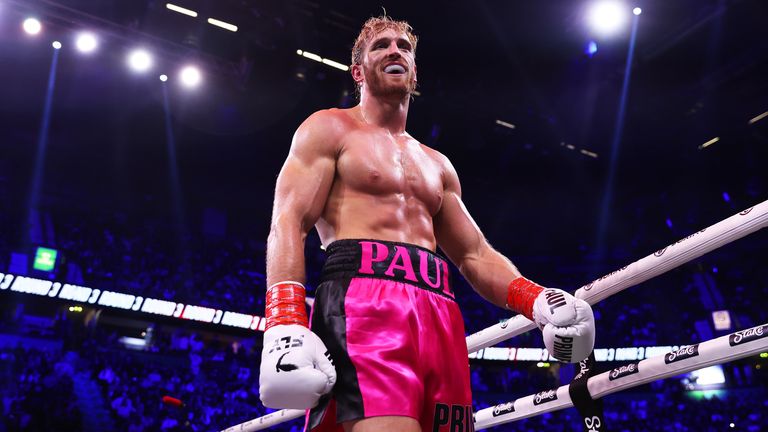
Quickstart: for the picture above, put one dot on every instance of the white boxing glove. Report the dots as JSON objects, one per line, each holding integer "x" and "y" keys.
{"x": 567, "y": 323}
{"x": 296, "y": 368}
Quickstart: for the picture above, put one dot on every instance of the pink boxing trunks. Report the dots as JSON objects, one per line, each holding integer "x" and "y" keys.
{"x": 388, "y": 316}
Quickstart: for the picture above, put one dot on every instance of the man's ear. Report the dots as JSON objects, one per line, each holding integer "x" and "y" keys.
{"x": 357, "y": 74}
{"x": 415, "y": 69}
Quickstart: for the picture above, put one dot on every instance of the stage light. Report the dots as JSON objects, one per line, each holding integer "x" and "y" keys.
{"x": 140, "y": 60}
{"x": 505, "y": 124}
{"x": 163, "y": 77}
{"x": 86, "y": 42}
{"x": 607, "y": 17}
{"x": 591, "y": 48}
{"x": 56, "y": 45}
{"x": 756, "y": 119}
{"x": 335, "y": 64}
{"x": 32, "y": 26}
{"x": 222, "y": 24}
{"x": 190, "y": 76}
{"x": 181, "y": 10}
{"x": 637, "y": 11}
{"x": 709, "y": 143}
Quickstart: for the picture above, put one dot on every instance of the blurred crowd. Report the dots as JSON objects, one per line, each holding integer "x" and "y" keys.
{"x": 191, "y": 385}
{"x": 185, "y": 381}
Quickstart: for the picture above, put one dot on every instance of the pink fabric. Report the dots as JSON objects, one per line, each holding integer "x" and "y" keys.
{"x": 408, "y": 348}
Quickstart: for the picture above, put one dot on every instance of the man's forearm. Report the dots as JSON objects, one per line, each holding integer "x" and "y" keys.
{"x": 285, "y": 253}
{"x": 489, "y": 273}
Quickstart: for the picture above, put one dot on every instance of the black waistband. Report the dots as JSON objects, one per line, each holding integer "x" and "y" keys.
{"x": 400, "y": 262}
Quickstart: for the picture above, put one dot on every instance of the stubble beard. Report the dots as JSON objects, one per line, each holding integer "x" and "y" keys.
{"x": 379, "y": 87}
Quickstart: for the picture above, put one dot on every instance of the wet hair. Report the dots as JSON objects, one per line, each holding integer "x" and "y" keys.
{"x": 376, "y": 25}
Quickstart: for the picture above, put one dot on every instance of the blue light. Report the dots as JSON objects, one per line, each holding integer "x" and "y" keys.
{"x": 714, "y": 269}
{"x": 669, "y": 222}
{"x": 726, "y": 197}
{"x": 591, "y": 48}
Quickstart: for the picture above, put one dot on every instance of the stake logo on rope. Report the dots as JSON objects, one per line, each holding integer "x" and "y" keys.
{"x": 504, "y": 408}
{"x": 744, "y": 336}
{"x": 682, "y": 354}
{"x": 544, "y": 397}
{"x": 621, "y": 372}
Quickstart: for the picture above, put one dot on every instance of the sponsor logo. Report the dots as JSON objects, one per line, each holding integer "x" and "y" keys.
{"x": 544, "y": 397}
{"x": 744, "y": 336}
{"x": 504, "y": 408}
{"x": 562, "y": 348}
{"x": 621, "y": 372}
{"x": 279, "y": 367}
{"x": 682, "y": 354}
{"x": 590, "y": 285}
{"x": 660, "y": 252}
{"x": 583, "y": 368}
{"x": 459, "y": 417}
{"x": 593, "y": 423}
{"x": 287, "y": 342}
{"x": 746, "y": 212}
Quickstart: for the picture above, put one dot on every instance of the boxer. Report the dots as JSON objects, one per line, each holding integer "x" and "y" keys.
{"x": 387, "y": 349}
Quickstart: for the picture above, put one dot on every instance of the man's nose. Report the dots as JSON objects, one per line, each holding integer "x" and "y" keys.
{"x": 393, "y": 49}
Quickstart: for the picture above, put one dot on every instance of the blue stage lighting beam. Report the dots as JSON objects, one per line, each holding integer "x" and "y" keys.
{"x": 42, "y": 144}
{"x": 173, "y": 169}
{"x": 615, "y": 147}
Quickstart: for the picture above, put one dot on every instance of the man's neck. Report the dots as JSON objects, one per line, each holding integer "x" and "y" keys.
{"x": 390, "y": 114}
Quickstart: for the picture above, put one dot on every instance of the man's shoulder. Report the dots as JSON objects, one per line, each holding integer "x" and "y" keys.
{"x": 434, "y": 154}
{"x": 324, "y": 130}
{"x": 332, "y": 118}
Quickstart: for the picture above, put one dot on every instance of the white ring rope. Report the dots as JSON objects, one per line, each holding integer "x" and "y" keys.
{"x": 661, "y": 261}
{"x": 737, "y": 345}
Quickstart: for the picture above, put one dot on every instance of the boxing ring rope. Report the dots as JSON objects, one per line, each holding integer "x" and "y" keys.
{"x": 659, "y": 262}
{"x": 737, "y": 345}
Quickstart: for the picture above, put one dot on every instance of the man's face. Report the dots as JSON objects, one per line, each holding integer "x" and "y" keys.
{"x": 389, "y": 66}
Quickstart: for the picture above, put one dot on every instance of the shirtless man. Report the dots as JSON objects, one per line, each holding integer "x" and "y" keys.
{"x": 382, "y": 203}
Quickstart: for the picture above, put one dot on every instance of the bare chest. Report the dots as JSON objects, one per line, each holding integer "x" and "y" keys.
{"x": 382, "y": 165}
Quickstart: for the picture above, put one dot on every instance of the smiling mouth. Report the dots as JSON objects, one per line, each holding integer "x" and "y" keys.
{"x": 394, "y": 69}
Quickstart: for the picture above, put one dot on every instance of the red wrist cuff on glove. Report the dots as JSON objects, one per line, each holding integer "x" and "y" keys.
{"x": 285, "y": 305}
{"x": 521, "y": 293}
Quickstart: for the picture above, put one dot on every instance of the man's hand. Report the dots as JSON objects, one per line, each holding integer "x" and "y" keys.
{"x": 566, "y": 322}
{"x": 296, "y": 368}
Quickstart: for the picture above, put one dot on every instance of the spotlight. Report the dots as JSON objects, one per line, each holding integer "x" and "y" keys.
{"x": 637, "y": 11}
{"x": 591, "y": 48}
{"x": 606, "y": 17}
{"x": 190, "y": 76}
{"x": 163, "y": 77}
{"x": 86, "y": 42}
{"x": 56, "y": 45}
{"x": 140, "y": 60}
{"x": 32, "y": 26}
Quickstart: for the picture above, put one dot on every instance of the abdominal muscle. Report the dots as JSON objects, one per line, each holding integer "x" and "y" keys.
{"x": 394, "y": 217}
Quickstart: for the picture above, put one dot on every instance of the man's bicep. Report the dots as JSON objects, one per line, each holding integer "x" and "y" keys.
{"x": 455, "y": 230}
